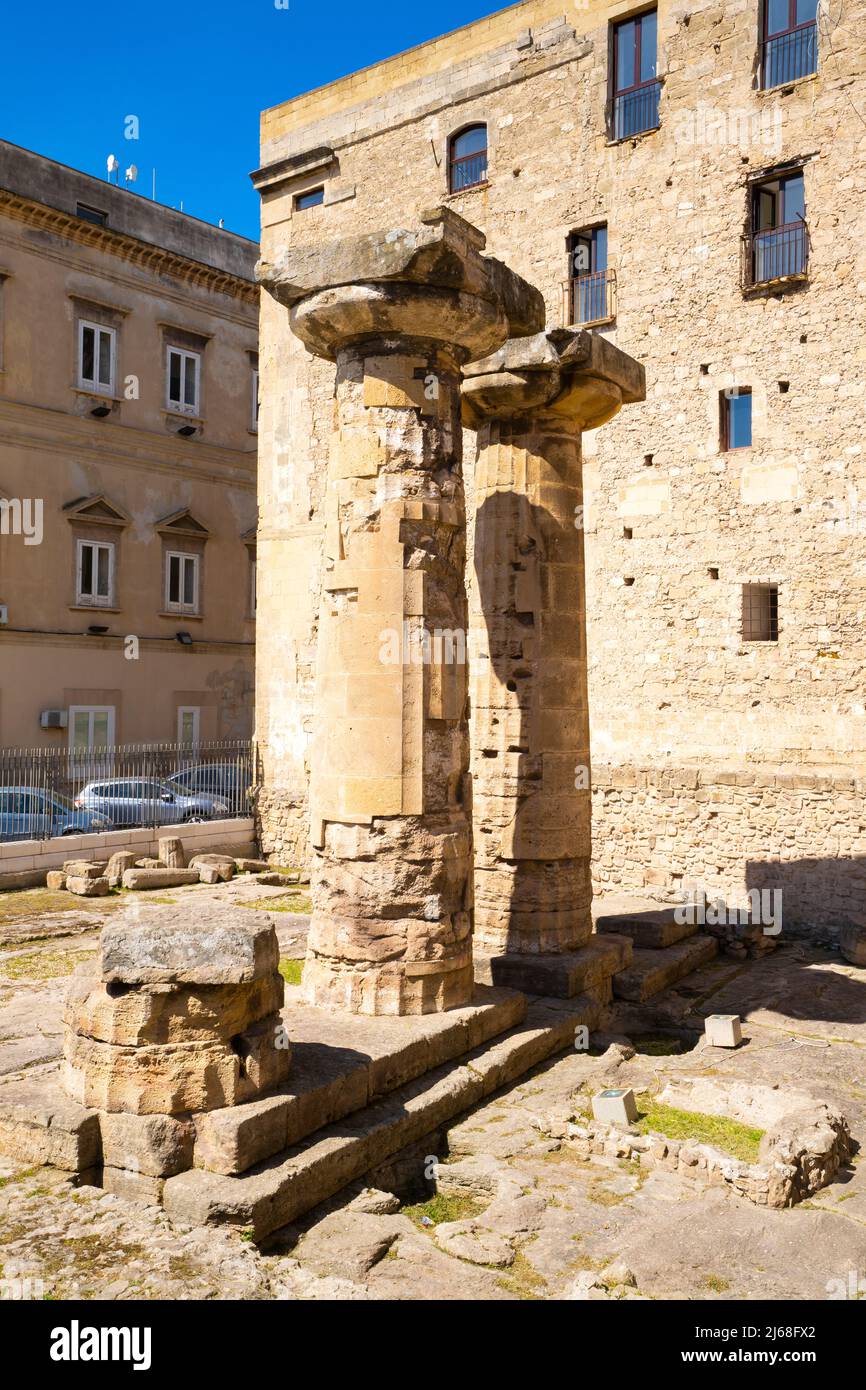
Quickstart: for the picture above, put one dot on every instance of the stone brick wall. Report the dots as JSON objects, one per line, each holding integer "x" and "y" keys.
{"x": 674, "y": 525}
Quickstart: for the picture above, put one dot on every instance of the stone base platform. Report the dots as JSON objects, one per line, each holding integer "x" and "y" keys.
{"x": 649, "y": 925}
{"x": 375, "y": 1087}
{"x": 588, "y": 970}
{"x": 651, "y": 971}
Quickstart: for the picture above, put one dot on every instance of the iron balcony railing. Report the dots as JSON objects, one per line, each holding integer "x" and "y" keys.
{"x": 778, "y": 254}
{"x": 467, "y": 171}
{"x": 785, "y": 57}
{"x": 589, "y": 298}
{"x": 45, "y": 792}
{"x": 631, "y": 113}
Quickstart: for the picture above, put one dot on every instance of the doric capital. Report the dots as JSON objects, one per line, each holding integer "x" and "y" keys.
{"x": 567, "y": 373}
{"x": 430, "y": 281}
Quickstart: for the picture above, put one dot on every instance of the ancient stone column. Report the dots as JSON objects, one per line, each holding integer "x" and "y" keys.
{"x": 391, "y": 877}
{"x": 529, "y": 403}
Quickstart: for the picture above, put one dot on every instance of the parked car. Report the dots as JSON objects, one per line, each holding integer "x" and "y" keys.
{"x": 29, "y": 813}
{"x": 127, "y": 801}
{"x": 227, "y": 781}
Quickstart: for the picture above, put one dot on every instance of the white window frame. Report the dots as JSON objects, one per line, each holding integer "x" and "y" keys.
{"x": 90, "y": 711}
{"x": 179, "y": 606}
{"x": 179, "y": 407}
{"x": 195, "y": 711}
{"x": 254, "y": 403}
{"x": 95, "y": 385}
{"x": 94, "y": 600}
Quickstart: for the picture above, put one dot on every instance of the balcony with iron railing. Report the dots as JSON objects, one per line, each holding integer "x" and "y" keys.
{"x": 632, "y": 113}
{"x": 789, "y": 56}
{"x": 589, "y": 299}
{"x": 467, "y": 171}
{"x": 781, "y": 253}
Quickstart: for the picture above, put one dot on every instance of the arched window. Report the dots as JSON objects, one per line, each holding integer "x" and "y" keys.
{"x": 467, "y": 158}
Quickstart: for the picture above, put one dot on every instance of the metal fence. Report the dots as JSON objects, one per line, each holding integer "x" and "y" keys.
{"x": 589, "y": 298}
{"x": 631, "y": 113}
{"x": 777, "y": 254}
{"x": 789, "y": 56}
{"x": 46, "y": 792}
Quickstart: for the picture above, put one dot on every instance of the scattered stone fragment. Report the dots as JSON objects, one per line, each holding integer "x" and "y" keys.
{"x": 138, "y": 880}
{"x": 55, "y": 880}
{"x": 215, "y": 948}
{"x": 172, "y": 852}
{"x": 468, "y": 1240}
{"x": 88, "y": 887}
{"x": 223, "y": 864}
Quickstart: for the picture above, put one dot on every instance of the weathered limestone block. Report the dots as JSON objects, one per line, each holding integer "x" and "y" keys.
{"x": 250, "y": 866}
{"x": 223, "y": 864}
{"x": 139, "y": 880}
{"x": 399, "y": 312}
{"x": 171, "y": 852}
{"x": 55, "y": 880}
{"x": 148, "y": 862}
{"x": 208, "y": 874}
{"x": 529, "y": 403}
{"x": 117, "y": 866}
{"x": 172, "y": 1078}
{"x": 84, "y": 868}
{"x": 156, "y": 1145}
{"x": 40, "y": 1123}
{"x": 133, "y": 1186}
{"x": 215, "y": 949}
{"x": 137, "y": 1015}
{"x": 88, "y": 887}
{"x": 232, "y": 1140}
{"x": 852, "y": 943}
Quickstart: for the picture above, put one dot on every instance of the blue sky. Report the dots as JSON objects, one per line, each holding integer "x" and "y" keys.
{"x": 196, "y": 73}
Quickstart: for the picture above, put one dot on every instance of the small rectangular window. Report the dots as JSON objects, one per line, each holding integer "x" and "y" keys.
{"x": 95, "y": 574}
{"x": 634, "y": 87}
{"x": 790, "y": 41}
{"x": 254, "y": 400}
{"x": 96, "y": 353}
{"x": 253, "y": 585}
{"x": 90, "y": 214}
{"x": 591, "y": 285}
{"x": 183, "y": 374}
{"x": 181, "y": 583}
{"x": 760, "y": 613}
{"x": 188, "y": 722}
{"x": 312, "y": 199}
{"x": 736, "y": 418}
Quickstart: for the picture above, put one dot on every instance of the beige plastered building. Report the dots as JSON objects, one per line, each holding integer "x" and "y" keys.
{"x": 725, "y": 585}
{"x": 128, "y": 419}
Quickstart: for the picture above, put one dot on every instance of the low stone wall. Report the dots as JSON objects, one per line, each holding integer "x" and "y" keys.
{"x": 282, "y": 824}
{"x": 656, "y": 830}
{"x": 31, "y": 859}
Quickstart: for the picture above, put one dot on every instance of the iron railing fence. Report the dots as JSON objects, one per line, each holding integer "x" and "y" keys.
{"x": 46, "y": 792}
{"x": 777, "y": 254}
{"x": 787, "y": 57}
{"x": 631, "y": 113}
{"x": 467, "y": 171}
{"x": 589, "y": 299}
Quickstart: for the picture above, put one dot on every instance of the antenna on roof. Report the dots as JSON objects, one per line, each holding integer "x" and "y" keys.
{"x": 112, "y": 164}
{"x": 131, "y": 174}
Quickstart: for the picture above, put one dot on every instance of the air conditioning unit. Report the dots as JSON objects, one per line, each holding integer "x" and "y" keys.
{"x": 53, "y": 719}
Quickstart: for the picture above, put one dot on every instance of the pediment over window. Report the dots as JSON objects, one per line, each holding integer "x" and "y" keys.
{"x": 97, "y": 510}
{"x": 183, "y": 523}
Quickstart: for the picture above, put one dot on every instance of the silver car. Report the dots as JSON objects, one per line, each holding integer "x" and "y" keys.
{"x": 129, "y": 801}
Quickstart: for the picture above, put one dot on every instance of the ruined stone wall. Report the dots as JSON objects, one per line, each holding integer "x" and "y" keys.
{"x": 672, "y": 685}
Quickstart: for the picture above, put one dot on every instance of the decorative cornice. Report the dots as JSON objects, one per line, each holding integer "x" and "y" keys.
{"x": 150, "y": 258}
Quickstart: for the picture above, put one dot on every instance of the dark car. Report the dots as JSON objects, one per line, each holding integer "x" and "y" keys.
{"x": 29, "y": 813}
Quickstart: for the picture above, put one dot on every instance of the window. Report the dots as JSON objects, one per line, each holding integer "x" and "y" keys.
{"x": 188, "y": 720}
{"x": 252, "y": 585}
{"x": 181, "y": 582}
{"x": 736, "y": 418}
{"x": 183, "y": 371}
{"x": 790, "y": 41}
{"x": 90, "y": 214}
{"x": 254, "y": 400}
{"x": 96, "y": 351}
{"x": 591, "y": 285}
{"x": 467, "y": 158}
{"x": 760, "y": 613}
{"x": 309, "y": 200}
{"x": 90, "y": 726}
{"x": 94, "y": 585}
{"x": 779, "y": 242}
{"x": 635, "y": 90}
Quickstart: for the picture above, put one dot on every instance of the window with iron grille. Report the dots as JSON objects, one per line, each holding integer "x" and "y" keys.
{"x": 789, "y": 41}
{"x": 760, "y": 613}
{"x": 634, "y": 88}
{"x": 591, "y": 284}
{"x": 778, "y": 245}
{"x": 467, "y": 158}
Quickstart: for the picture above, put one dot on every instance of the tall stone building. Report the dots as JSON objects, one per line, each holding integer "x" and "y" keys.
{"x": 128, "y": 430}
{"x": 689, "y": 181}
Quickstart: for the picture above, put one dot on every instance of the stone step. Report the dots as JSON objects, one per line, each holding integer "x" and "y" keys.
{"x": 562, "y": 976}
{"x": 649, "y": 925}
{"x": 654, "y": 970}
{"x": 284, "y": 1187}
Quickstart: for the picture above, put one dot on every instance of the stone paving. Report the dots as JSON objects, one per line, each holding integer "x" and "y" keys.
{"x": 515, "y": 1214}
